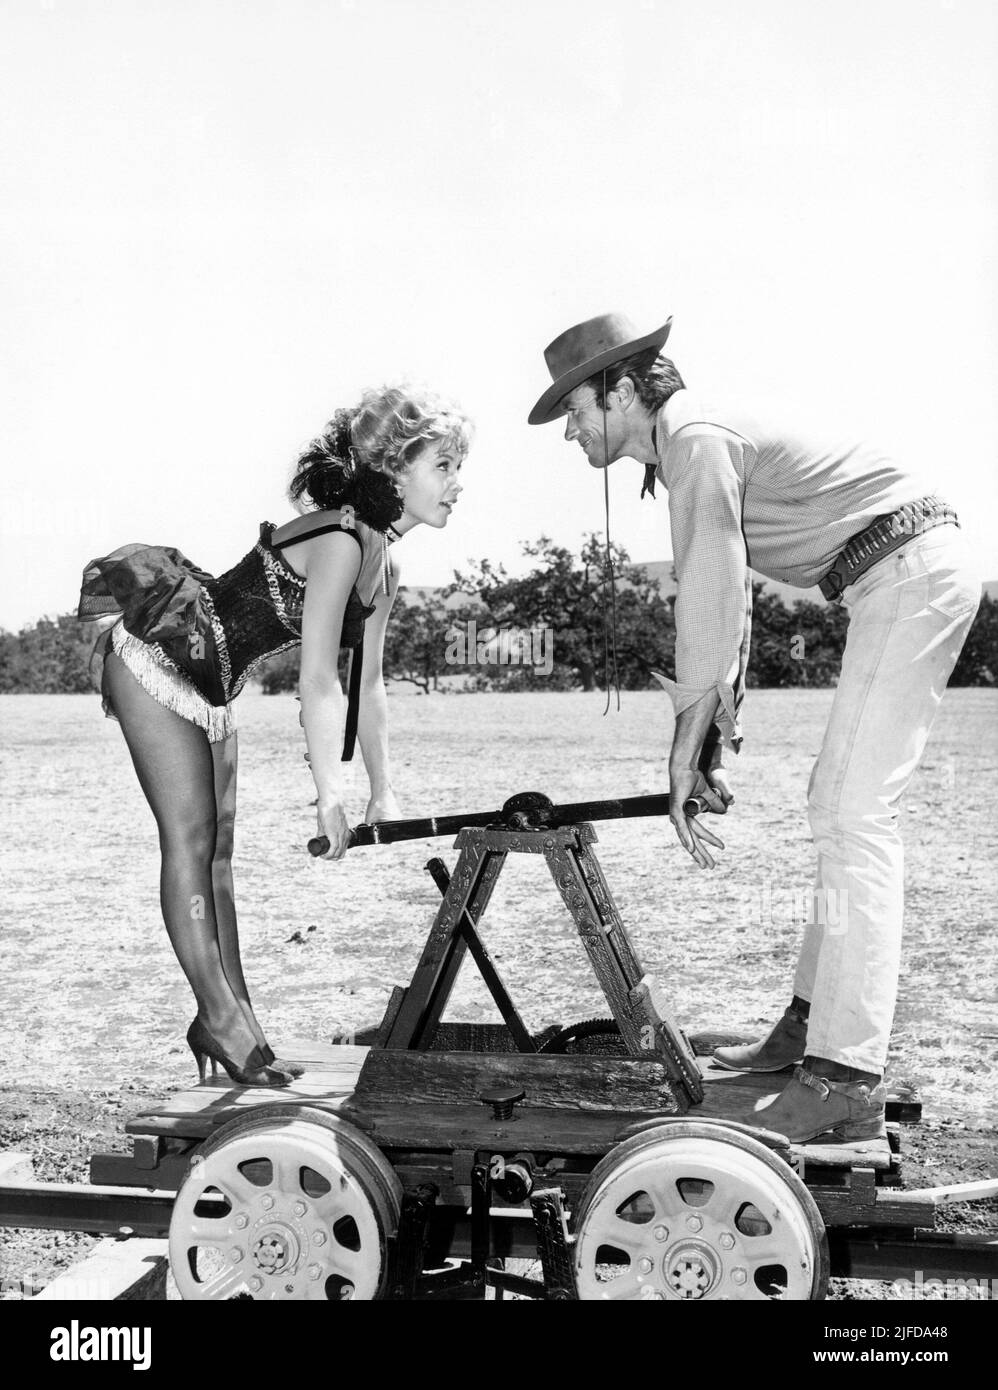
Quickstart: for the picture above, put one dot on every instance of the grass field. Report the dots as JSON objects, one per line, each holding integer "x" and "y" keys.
{"x": 96, "y": 1007}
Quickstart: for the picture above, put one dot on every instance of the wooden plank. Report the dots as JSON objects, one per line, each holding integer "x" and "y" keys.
{"x": 631, "y": 969}
{"x": 487, "y": 967}
{"x": 444, "y": 948}
{"x": 958, "y": 1192}
{"x": 119, "y": 1170}
{"x": 115, "y": 1271}
{"x": 197, "y": 1110}
{"x": 841, "y": 1207}
{"x": 874, "y": 1154}
{"x": 652, "y": 1015}
{"x": 311, "y": 1052}
{"x": 466, "y": 939}
{"x": 576, "y": 894}
{"x": 184, "y": 1117}
{"x": 616, "y": 1085}
{"x": 402, "y": 1126}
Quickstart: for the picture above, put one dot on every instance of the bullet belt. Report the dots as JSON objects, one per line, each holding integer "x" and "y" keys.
{"x": 888, "y": 533}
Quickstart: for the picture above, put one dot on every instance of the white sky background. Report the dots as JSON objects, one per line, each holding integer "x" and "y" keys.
{"x": 219, "y": 220}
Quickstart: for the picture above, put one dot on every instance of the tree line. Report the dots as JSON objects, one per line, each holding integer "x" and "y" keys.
{"x": 546, "y": 630}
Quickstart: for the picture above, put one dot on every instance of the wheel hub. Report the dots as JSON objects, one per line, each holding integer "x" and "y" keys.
{"x": 276, "y": 1249}
{"x": 691, "y": 1269}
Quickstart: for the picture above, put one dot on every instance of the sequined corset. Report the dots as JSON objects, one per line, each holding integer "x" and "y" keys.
{"x": 246, "y": 615}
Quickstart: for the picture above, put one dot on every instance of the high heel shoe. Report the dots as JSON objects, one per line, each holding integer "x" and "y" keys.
{"x": 204, "y": 1047}
{"x": 292, "y": 1068}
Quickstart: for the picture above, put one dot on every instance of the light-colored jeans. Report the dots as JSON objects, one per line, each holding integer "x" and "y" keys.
{"x": 909, "y": 616}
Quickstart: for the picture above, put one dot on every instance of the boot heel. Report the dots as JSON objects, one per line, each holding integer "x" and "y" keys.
{"x": 853, "y": 1130}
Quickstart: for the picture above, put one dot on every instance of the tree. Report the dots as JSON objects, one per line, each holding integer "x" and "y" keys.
{"x": 280, "y": 673}
{"x": 416, "y": 641}
{"x": 795, "y": 646}
{"x": 570, "y": 600}
{"x": 50, "y": 657}
{"x": 978, "y": 663}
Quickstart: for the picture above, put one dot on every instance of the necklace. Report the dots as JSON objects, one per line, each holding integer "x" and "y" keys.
{"x": 388, "y": 537}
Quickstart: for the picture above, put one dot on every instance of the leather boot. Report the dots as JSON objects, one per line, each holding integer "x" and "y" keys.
{"x": 784, "y": 1047}
{"x": 832, "y": 1112}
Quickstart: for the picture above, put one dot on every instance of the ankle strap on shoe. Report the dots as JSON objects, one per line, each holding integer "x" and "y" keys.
{"x": 852, "y": 1090}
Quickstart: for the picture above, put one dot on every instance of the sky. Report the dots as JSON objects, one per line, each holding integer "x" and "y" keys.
{"x": 220, "y": 221}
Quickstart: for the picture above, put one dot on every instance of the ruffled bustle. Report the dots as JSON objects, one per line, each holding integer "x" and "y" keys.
{"x": 168, "y": 686}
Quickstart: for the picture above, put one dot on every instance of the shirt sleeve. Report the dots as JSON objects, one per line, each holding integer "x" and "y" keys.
{"x": 703, "y": 473}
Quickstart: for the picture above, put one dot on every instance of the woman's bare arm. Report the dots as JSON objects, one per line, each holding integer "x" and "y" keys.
{"x": 372, "y": 721}
{"x": 331, "y": 564}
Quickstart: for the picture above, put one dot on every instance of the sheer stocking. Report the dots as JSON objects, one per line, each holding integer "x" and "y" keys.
{"x": 181, "y": 777}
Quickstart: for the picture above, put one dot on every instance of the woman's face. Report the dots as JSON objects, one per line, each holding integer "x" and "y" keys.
{"x": 431, "y": 487}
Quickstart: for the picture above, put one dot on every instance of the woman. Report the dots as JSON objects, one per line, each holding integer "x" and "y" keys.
{"x": 186, "y": 642}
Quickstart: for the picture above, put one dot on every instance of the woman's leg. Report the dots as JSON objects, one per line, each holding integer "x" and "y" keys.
{"x": 225, "y": 759}
{"x": 175, "y": 768}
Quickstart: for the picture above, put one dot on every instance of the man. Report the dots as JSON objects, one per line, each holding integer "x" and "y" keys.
{"x": 744, "y": 493}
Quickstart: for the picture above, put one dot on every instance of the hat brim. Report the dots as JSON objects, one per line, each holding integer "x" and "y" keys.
{"x": 549, "y": 407}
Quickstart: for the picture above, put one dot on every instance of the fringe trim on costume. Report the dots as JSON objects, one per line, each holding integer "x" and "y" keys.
{"x": 169, "y": 687}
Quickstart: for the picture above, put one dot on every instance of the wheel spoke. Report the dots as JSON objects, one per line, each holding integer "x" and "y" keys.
{"x": 332, "y": 1206}
{"x": 213, "y": 1233}
{"x": 619, "y": 1236}
{"x": 725, "y": 1202}
{"x": 766, "y": 1255}
{"x": 348, "y": 1263}
{"x": 315, "y": 1292}
{"x": 624, "y": 1287}
{"x": 287, "y": 1175}
{"x": 665, "y": 1199}
{"x": 224, "y": 1284}
{"x": 231, "y": 1183}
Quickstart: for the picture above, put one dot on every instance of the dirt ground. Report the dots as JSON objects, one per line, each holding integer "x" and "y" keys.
{"x": 95, "y": 1010}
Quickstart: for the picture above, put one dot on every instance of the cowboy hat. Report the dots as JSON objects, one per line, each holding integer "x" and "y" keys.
{"x": 583, "y": 351}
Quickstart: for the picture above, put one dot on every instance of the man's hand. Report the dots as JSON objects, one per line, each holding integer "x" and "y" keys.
{"x": 717, "y": 780}
{"x": 685, "y": 782}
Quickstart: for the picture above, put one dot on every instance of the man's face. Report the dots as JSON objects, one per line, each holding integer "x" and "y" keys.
{"x": 584, "y": 425}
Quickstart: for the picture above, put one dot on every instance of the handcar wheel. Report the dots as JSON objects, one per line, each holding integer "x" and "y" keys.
{"x": 690, "y": 1211}
{"x": 284, "y": 1204}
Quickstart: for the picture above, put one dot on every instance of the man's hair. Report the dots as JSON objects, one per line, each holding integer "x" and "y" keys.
{"x": 655, "y": 378}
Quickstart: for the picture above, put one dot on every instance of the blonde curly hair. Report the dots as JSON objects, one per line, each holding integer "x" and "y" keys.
{"x": 384, "y": 433}
{"x": 391, "y": 425}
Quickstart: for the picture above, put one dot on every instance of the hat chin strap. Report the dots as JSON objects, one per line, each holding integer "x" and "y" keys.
{"x": 609, "y": 646}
